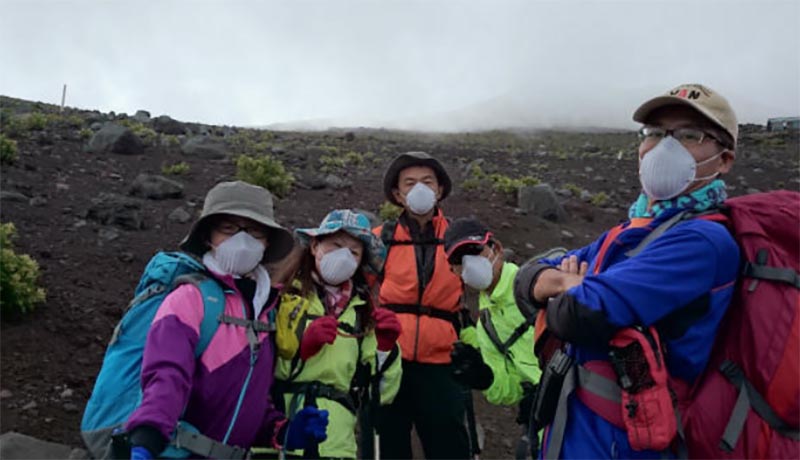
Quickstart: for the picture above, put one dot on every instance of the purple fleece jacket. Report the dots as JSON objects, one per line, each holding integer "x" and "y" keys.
{"x": 208, "y": 387}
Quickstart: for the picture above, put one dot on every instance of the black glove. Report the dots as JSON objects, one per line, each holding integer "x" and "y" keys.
{"x": 469, "y": 368}
{"x": 526, "y": 403}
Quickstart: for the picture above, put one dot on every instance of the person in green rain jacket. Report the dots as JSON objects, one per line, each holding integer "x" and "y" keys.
{"x": 496, "y": 356}
{"x": 330, "y": 336}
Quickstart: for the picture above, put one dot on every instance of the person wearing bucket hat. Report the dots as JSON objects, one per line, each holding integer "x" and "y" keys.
{"x": 665, "y": 272}
{"x": 330, "y": 336}
{"x": 499, "y": 360}
{"x": 418, "y": 285}
{"x": 234, "y": 235}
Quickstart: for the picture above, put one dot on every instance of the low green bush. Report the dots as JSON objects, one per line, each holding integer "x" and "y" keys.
{"x": 176, "y": 169}
{"x": 389, "y": 211}
{"x": 19, "y": 273}
{"x": 505, "y": 184}
{"x": 8, "y": 150}
{"x": 599, "y": 199}
{"x": 574, "y": 189}
{"x": 85, "y": 133}
{"x": 265, "y": 171}
{"x": 36, "y": 121}
{"x": 330, "y": 163}
{"x": 146, "y": 134}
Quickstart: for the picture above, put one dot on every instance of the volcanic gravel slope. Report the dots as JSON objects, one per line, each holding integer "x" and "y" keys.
{"x": 49, "y": 358}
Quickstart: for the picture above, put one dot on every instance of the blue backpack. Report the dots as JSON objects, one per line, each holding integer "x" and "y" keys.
{"x": 117, "y": 391}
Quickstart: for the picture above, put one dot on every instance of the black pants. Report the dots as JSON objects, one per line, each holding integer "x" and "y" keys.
{"x": 433, "y": 402}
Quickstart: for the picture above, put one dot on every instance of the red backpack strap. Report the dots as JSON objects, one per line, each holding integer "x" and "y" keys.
{"x": 611, "y": 236}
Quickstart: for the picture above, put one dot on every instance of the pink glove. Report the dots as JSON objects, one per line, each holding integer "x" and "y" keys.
{"x": 387, "y": 328}
{"x": 318, "y": 333}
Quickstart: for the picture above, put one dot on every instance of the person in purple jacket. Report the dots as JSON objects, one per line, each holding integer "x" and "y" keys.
{"x": 224, "y": 393}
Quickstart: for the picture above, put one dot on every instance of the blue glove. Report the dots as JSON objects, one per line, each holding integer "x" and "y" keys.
{"x": 309, "y": 424}
{"x": 140, "y": 453}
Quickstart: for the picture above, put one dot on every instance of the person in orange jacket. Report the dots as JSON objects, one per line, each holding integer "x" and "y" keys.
{"x": 418, "y": 285}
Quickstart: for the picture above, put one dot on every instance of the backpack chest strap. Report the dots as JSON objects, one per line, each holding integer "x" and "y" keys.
{"x": 253, "y": 327}
{"x": 319, "y": 390}
{"x": 206, "y": 447}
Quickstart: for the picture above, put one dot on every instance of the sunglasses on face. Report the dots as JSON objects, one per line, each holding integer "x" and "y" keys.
{"x": 686, "y": 136}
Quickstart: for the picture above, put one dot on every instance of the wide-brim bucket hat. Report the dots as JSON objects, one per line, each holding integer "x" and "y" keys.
{"x": 240, "y": 199}
{"x": 356, "y": 225}
{"x": 408, "y": 159}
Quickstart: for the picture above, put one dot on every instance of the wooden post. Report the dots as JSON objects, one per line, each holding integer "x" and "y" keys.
{"x": 63, "y": 96}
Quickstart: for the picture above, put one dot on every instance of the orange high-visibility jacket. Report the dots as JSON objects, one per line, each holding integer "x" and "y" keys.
{"x": 428, "y": 317}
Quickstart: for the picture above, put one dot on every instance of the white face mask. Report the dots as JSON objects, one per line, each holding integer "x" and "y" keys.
{"x": 668, "y": 169}
{"x": 420, "y": 199}
{"x": 477, "y": 272}
{"x": 337, "y": 266}
{"x": 239, "y": 254}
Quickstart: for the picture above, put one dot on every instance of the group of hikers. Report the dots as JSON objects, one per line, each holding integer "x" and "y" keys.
{"x": 335, "y": 341}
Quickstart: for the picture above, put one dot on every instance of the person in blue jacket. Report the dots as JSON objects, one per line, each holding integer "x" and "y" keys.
{"x": 681, "y": 282}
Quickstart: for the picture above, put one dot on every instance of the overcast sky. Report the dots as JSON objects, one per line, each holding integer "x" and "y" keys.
{"x": 412, "y": 64}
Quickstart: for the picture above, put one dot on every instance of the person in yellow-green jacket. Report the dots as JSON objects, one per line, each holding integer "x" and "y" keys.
{"x": 336, "y": 350}
{"x": 497, "y": 357}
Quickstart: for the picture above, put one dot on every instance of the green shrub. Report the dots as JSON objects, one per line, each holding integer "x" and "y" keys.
{"x": 353, "y": 158}
{"x": 265, "y": 171}
{"x": 85, "y": 133}
{"x": 388, "y": 211}
{"x": 574, "y": 189}
{"x": 471, "y": 184}
{"x": 329, "y": 163}
{"x": 476, "y": 172}
{"x": 599, "y": 199}
{"x": 8, "y": 150}
{"x": 69, "y": 121}
{"x": 36, "y": 121}
{"x": 19, "y": 273}
{"x": 505, "y": 184}
{"x": 147, "y": 135}
{"x": 170, "y": 140}
{"x": 176, "y": 169}
{"x": 12, "y": 126}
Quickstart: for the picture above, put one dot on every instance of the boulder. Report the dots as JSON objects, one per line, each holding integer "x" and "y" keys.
{"x": 205, "y": 147}
{"x": 119, "y": 210}
{"x": 19, "y": 446}
{"x": 541, "y": 201}
{"x": 166, "y": 125}
{"x": 155, "y": 187}
{"x": 142, "y": 116}
{"x": 117, "y": 139}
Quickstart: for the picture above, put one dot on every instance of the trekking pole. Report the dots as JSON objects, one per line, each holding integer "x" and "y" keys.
{"x": 475, "y": 448}
{"x": 312, "y": 446}
{"x": 375, "y": 404}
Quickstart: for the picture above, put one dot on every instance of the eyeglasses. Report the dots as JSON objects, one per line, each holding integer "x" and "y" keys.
{"x": 230, "y": 228}
{"x": 686, "y": 136}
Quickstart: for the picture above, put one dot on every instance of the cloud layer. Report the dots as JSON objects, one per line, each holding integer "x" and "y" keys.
{"x": 413, "y": 64}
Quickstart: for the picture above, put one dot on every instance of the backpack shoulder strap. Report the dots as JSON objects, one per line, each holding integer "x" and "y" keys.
{"x": 711, "y": 216}
{"x": 494, "y": 337}
{"x": 213, "y": 305}
{"x": 387, "y": 232}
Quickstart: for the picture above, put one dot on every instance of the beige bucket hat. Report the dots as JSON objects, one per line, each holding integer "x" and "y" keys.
{"x": 701, "y": 98}
{"x": 244, "y": 200}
